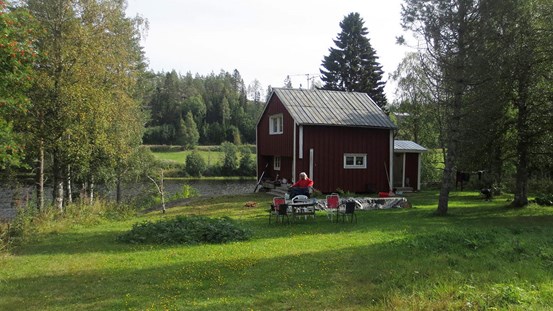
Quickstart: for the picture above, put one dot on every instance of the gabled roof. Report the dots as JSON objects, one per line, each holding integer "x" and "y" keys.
{"x": 408, "y": 146}
{"x": 333, "y": 108}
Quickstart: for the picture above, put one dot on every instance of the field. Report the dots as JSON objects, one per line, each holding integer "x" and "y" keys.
{"x": 210, "y": 154}
{"x": 210, "y": 157}
{"x": 482, "y": 256}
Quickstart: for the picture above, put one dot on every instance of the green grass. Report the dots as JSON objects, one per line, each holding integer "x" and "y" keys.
{"x": 210, "y": 157}
{"x": 482, "y": 256}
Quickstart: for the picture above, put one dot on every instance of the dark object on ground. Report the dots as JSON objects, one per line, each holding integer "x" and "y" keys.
{"x": 487, "y": 193}
{"x": 461, "y": 177}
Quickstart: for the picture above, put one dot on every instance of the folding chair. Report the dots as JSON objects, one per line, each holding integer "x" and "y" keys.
{"x": 279, "y": 209}
{"x": 332, "y": 205}
{"x": 348, "y": 211}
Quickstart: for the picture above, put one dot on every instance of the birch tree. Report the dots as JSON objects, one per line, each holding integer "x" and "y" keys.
{"x": 91, "y": 63}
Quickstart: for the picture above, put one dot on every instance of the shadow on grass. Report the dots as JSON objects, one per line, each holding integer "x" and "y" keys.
{"x": 419, "y": 271}
{"x": 391, "y": 221}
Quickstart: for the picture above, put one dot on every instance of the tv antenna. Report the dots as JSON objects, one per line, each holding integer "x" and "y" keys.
{"x": 309, "y": 77}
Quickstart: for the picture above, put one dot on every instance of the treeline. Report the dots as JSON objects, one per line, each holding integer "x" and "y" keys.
{"x": 190, "y": 110}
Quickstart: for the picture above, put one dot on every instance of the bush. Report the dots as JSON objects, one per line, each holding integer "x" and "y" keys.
{"x": 214, "y": 170}
{"x": 247, "y": 164}
{"x": 185, "y": 230}
{"x": 545, "y": 199}
{"x": 195, "y": 164}
{"x": 187, "y": 192}
{"x": 171, "y": 168}
{"x": 230, "y": 160}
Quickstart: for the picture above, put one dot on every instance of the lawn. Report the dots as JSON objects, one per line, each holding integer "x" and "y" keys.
{"x": 481, "y": 256}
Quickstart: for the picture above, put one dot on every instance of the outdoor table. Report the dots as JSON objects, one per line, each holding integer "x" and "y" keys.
{"x": 302, "y": 208}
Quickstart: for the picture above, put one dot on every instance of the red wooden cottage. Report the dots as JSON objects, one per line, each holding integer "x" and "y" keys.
{"x": 342, "y": 140}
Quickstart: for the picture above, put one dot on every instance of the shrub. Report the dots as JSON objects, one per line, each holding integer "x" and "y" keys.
{"x": 187, "y": 192}
{"x": 171, "y": 168}
{"x": 214, "y": 170}
{"x": 247, "y": 164}
{"x": 230, "y": 160}
{"x": 185, "y": 230}
{"x": 545, "y": 199}
{"x": 195, "y": 164}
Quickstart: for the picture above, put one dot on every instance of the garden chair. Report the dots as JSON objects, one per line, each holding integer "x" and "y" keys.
{"x": 332, "y": 205}
{"x": 279, "y": 209}
{"x": 348, "y": 211}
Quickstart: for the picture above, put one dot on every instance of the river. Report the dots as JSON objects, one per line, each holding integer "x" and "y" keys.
{"x": 202, "y": 187}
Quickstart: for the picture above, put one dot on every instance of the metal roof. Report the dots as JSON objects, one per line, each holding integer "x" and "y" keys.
{"x": 335, "y": 108}
{"x": 408, "y": 146}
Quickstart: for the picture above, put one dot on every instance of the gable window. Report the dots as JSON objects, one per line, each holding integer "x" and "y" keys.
{"x": 355, "y": 160}
{"x": 276, "y": 163}
{"x": 275, "y": 124}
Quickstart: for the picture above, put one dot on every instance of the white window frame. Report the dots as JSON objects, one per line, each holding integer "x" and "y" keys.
{"x": 276, "y": 163}
{"x": 279, "y": 125}
{"x": 356, "y": 157}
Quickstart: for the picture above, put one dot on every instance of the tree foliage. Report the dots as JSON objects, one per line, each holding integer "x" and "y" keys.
{"x": 17, "y": 56}
{"x": 195, "y": 164}
{"x": 353, "y": 64}
{"x": 230, "y": 158}
{"x": 84, "y": 112}
{"x": 487, "y": 70}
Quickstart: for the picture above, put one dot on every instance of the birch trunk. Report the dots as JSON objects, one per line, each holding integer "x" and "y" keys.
{"x": 68, "y": 191}
{"x": 58, "y": 185}
{"x": 40, "y": 177}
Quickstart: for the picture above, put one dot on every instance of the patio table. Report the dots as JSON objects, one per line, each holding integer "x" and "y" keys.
{"x": 302, "y": 208}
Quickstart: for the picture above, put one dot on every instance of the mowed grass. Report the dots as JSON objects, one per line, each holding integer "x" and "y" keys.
{"x": 482, "y": 256}
{"x": 210, "y": 157}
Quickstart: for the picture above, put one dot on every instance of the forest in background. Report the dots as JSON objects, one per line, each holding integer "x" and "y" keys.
{"x": 189, "y": 110}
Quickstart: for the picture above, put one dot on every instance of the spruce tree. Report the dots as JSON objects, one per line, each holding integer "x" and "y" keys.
{"x": 353, "y": 64}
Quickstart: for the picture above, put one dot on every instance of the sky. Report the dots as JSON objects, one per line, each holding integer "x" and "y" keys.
{"x": 265, "y": 40}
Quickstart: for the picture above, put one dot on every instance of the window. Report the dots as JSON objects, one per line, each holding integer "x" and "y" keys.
{"x": 276, "y": 163}
{"x": 355, "y": 160}
{"x": 275, "y": 124}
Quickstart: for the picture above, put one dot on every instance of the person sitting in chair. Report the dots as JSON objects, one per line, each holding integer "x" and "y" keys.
{"x": 301, "y": 187}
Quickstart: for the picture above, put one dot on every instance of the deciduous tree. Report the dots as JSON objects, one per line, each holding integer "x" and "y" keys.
{"x": 17, "y": 55}
{"x": 448, "y": 29}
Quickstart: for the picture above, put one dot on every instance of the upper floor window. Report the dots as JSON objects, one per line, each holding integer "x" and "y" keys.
{"x": 275, "y": 124}
{"x": 355, "y": 160}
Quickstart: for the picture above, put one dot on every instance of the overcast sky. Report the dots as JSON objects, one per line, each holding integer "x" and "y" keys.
{"x": 264, "y": 39}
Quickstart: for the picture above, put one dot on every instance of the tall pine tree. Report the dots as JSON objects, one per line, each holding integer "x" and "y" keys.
{"x": 353, "y": 65}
